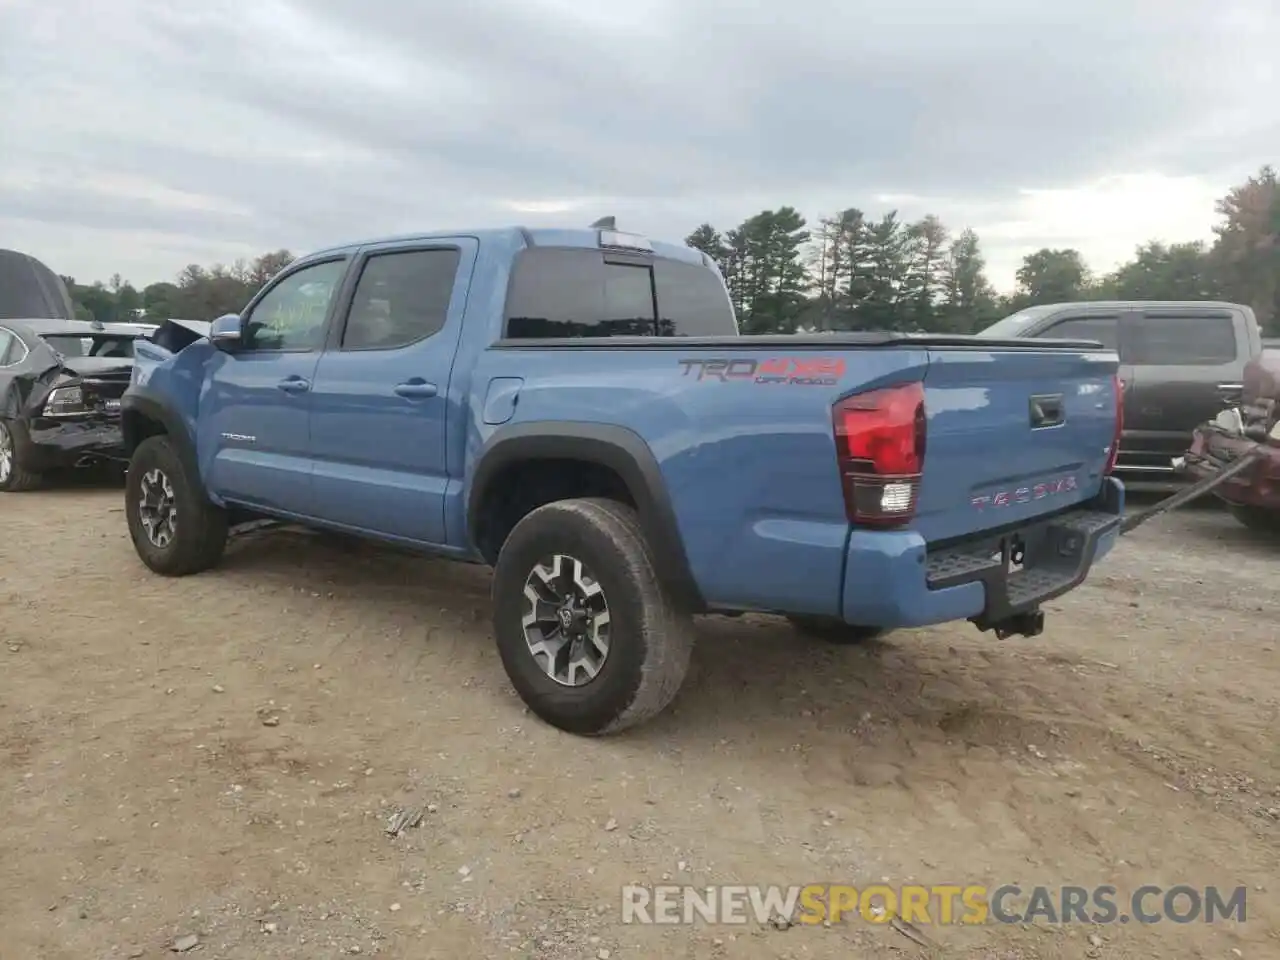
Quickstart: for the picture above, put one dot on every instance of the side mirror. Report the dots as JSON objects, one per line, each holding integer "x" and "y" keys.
{"x": 225, "y": 331}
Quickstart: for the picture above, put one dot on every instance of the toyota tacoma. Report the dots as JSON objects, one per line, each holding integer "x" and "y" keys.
{"x": 577, "y": 409}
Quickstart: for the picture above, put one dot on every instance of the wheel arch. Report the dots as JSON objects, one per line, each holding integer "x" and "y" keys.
{"x": 617, "y": 450}
{"x": 144, "y": 414}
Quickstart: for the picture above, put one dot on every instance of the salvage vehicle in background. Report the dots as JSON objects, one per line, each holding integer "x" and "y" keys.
{"x": 1253, "y": 496}
{"x": 576, "y": 408}
{"x": 60, "y": 388}
{"x": 1181, "y": 362}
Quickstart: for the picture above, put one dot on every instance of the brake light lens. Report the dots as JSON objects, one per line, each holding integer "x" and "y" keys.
{"x": 880, "y": 448}
{"x": 1114, "y": 452}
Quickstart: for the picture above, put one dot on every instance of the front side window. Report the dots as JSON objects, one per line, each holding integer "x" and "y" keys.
{"x": 1102, "y": 329}
{"x": 292, "y": 314}
{"x": 401, "y": 298}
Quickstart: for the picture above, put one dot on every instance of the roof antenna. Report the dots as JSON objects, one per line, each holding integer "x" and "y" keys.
{"x": 605, "y": 223}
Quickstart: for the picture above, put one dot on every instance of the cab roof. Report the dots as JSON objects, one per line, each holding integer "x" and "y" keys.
{"x": 516, "y": 238}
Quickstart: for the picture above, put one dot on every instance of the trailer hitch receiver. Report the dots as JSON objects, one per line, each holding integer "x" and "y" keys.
{"x": 1027, "y": 624}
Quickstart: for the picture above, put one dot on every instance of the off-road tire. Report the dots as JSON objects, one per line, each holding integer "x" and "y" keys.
{"x": 20, "y": 479}
{"x": 200, "y": 528}
{"x": 650, "y": 641}
{"x": 831, "y": 630}
{"x": 1257, "y": 518}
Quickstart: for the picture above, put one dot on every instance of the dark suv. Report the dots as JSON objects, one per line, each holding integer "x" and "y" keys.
{"x": 1181, "y": 363}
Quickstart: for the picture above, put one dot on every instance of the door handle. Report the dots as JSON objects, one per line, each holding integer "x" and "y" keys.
{"x": 415, "y": 389}
{"x": 294, "y": 385}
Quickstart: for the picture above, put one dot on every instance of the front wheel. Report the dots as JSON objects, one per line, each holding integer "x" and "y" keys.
{"x": 14, "y": 477}
{"x": 831, "y": 630}
{"x": 1257, "y": 518}
{"x": 175, "y": 530}
{"x": 587, "y": 633}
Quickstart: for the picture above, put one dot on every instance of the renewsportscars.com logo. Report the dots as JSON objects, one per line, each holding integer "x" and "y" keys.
{"x": 940, "y": 904}
{"x": 795, "y": 371}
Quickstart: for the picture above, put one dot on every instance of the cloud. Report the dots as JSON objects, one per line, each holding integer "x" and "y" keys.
{"x": 220, "y": 127}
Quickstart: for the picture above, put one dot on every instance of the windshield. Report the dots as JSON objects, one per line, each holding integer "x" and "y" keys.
{"x": 94, "y": 345}
{"x": 1015, "y": 323}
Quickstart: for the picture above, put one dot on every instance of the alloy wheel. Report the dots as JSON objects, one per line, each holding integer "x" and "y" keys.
{"x": 566, "y": 622}
{"x": 6, "y": 453}
{"x": 157, "y": 508}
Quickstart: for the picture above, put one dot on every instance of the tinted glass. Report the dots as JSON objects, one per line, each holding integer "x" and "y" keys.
{"x": 292, "y": 315}
{"x": 6, "y": 347}
{"x": 1180, "y": 341}
{"x": 577, "y": 293}
{"x": 72, "y": 345}
{"x": 1014, "y": 324}
{"x": 400, "y": 298}
{"x": 692, "y": 301}
{"x": 1102, "y": 329}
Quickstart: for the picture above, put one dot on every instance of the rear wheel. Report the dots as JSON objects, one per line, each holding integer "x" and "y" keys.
{"x": 590, "y": 638}
{"x": 831, "y": 630}
{"x": 14, "y": 477}
{"x": 175, "y": 530}
{"x": 1257, "y": 518}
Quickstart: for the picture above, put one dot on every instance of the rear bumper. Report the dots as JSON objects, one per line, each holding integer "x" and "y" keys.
{"x": 1210, "y": 451}
{"x": 896, "y": 580}
{"x": 53, "y": 443}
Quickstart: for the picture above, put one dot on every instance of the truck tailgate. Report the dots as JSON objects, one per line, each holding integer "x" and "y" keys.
{"x": 1012, "y": 435}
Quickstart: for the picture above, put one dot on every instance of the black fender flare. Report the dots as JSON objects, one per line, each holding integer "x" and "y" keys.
{"x": 141, "y": 402}
{"x": 620, "y": 450}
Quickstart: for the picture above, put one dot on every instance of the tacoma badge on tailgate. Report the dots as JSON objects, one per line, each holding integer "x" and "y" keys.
{"x": 1036, "y": 491}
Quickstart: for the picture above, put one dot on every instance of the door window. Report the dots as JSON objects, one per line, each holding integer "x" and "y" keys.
{"x": 7, "y": 340}
{"x": 292, "y": 314}
{"x": 401, "y": 298}
{"x": 1184, "y": 340}
{"x": 1102, "y": 329}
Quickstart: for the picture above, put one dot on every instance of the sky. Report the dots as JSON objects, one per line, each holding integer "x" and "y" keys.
{"x": 138, "y": 136}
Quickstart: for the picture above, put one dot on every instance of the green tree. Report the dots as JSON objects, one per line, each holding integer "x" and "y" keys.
{"x": 769, "y": 279}
{"x": 1181, "y": 271}
{"x": 1246, "y": 253}
{"x": 969, "y": 302}
{"x": 1051, "y": 276}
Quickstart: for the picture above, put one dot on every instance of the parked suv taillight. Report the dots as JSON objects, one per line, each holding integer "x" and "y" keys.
{"x": 880, "y": 443}
{"x": 1119, "y": 429}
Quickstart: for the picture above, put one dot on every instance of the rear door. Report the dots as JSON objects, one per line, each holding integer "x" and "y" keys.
{"x": 1188, "y": 364}
{"x": 380, "y": 402}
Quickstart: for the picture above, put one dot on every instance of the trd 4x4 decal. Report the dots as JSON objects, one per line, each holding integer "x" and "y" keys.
{"x": 796, "y": 371}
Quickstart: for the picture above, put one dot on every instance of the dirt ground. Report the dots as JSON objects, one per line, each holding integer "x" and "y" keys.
{"x": 218, "y": 757}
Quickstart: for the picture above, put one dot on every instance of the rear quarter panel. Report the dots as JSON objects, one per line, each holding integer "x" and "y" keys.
{"x": 750, "y": 466}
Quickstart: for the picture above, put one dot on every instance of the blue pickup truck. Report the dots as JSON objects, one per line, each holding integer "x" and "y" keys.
{"x": 577, "y": 409}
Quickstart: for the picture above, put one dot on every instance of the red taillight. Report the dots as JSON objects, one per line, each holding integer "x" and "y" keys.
{"x": 1119, "y": 429}
{"x": 880, "y": 442}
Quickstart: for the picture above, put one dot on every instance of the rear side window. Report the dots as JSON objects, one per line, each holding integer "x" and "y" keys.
{"x": 1102, "y": 329}
{"x": 1179, "y": 340}
{"x": 401, "y": 298}
{"x": 580, "y": 293}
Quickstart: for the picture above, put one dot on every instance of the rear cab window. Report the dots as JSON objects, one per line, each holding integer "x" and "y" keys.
{"x": 91, "y": 345}
{"x": 1184, "y": 339}
{"x": 574, "y": 292}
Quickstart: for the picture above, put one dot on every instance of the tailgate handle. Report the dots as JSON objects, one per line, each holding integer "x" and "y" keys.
{"x": 1231, "y": 392}
{"x": 1046, "y": 411}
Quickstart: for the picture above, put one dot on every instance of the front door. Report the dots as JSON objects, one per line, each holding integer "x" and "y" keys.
{"x": 254, "y": 429}
{"x": 380, "y": 399}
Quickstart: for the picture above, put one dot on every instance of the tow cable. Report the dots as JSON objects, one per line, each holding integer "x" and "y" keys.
{"x": 1228, "y": 422}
